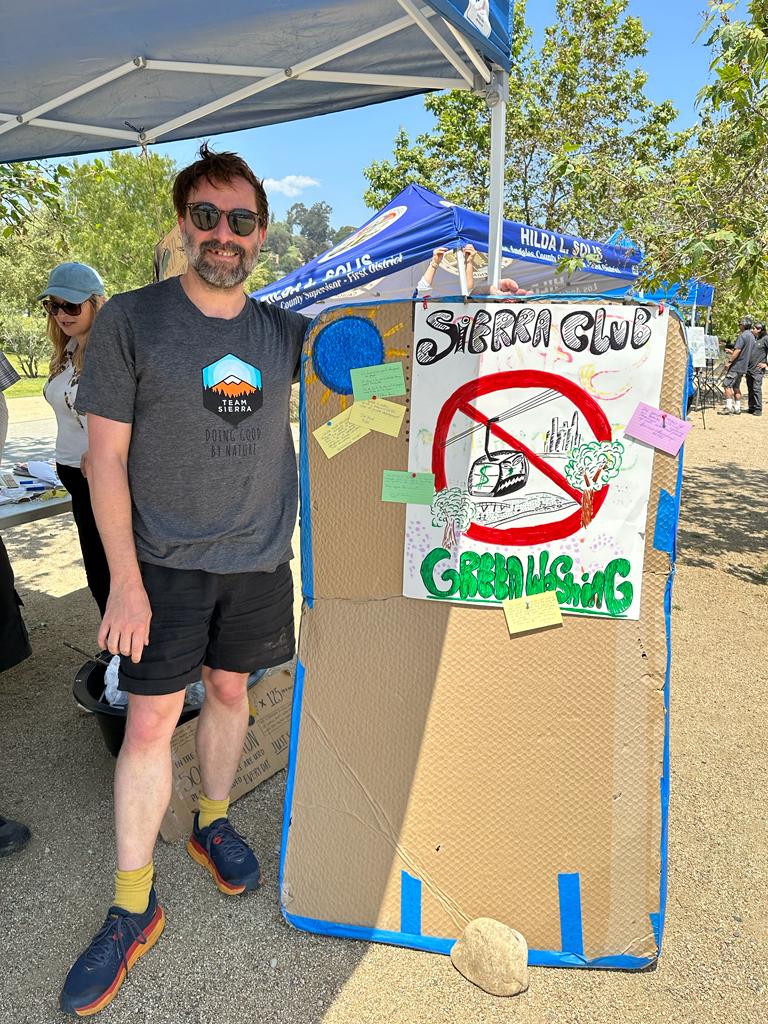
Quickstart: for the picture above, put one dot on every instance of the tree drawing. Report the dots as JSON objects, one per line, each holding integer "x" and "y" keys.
{"x": 590, "y": 468}
{"x": 453, "y": 508}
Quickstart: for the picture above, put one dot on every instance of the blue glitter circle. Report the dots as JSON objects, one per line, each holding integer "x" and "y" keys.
{"x": 346, "y": 345}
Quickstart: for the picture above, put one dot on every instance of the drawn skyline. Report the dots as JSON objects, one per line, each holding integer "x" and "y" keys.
{"x": 563, "y": 436}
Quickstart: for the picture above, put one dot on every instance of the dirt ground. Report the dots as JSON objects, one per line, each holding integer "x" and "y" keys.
{"x": 236, "y": 961}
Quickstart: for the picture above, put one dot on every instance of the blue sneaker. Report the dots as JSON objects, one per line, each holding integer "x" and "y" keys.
{"x": 223, "y": 852}
{"x": 100, "y": 970}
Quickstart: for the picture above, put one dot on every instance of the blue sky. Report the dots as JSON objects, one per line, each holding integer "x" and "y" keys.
{"x": 323, "y": 158}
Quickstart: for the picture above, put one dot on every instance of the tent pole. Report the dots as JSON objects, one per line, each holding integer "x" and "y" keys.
{"x": 496, "y": 97}
{"x": 462, "y": 271}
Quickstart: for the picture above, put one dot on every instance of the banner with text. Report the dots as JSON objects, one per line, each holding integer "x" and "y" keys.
{"x": 519, "y": 411}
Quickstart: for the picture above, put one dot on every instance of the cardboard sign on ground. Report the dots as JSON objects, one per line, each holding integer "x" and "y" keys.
{"x": 441, "y": 769}
{"x": 265, "y": 752}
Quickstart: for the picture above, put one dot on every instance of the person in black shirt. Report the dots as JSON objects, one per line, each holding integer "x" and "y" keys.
{"x": 756, "y": 371}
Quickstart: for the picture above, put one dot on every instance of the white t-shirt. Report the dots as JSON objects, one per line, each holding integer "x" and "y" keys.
{"x": 72, "y": 431}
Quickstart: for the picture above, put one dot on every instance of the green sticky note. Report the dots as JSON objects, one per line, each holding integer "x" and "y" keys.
{"x": 408, "y": 488}
{"x": 383, "y": 381}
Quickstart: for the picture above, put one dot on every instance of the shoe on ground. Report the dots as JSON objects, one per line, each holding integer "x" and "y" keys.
{"x": 726, "y": 412}
{"x": 13, "y": 836}
{"x": 223, "y": 852}
{"x": 100, "y": 970}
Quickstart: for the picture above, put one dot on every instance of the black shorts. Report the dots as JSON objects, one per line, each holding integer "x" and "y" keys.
{"x": 238, "y": 622}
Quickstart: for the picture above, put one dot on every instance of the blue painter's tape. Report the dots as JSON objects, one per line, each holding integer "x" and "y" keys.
{"x": 305, "y": 513}
{"x": 666, "y": 524}
{"x": 428, "y": 943}
{"x": 571, "y": 929}
{"x": 410, "y": 904}
{"x": 437, "y": 944}
{"x": 293, "y": 750}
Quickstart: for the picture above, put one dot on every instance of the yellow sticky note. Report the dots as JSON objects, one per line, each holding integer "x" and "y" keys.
{"x": 339, "y": 433}
{"x": 378, "y": 414}
{"x": 537, "y": 611}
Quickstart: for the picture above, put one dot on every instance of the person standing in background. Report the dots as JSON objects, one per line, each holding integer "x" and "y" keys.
{"x": 8, "y": 377}
{"x": 73, "y": 296}
{"x": 756, "y": 371}
{"x": 736, "y": 366}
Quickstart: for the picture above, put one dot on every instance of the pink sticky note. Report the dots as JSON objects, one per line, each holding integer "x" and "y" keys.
{"x": 659, "y": 429}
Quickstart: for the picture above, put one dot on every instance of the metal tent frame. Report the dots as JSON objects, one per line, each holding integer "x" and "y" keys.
{"x": 449, "y": 48}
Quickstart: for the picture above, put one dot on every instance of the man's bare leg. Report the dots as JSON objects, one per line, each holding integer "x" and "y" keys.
{"x": 221, "y": 730}
{"x": 214, "y": 843}
{"x": 143, "y": 776}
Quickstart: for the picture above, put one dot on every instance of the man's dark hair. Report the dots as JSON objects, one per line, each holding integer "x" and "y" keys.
{"x": 218, "y": 168}
{"x": 746, "y": 322}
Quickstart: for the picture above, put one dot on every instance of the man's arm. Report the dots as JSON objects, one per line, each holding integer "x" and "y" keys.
{"x": 125, "y": 627}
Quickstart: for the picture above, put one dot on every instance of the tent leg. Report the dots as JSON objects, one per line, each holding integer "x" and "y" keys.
{"x": 496, "y": 99}
{"x": 462, "y": 272}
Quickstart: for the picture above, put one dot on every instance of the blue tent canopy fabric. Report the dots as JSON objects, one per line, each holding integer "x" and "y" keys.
{"x": 402, "y": 236}
{"x": 80, "y": 77}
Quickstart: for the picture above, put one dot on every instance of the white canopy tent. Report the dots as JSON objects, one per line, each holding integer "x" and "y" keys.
{"x": 76, "y": 77}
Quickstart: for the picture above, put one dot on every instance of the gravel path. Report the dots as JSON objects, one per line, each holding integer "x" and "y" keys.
{"x": 237, "y": 961}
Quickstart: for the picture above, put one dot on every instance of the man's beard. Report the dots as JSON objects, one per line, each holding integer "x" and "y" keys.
{"x": 220, "y": 275}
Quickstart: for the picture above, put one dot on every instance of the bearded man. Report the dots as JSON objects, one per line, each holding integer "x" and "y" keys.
{"x": 193, "y": 481}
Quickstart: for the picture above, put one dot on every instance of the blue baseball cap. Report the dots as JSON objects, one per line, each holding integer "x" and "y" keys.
{"x": 74, "y": 282}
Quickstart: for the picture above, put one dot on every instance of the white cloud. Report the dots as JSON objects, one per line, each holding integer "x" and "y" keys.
{"x": 291, "y": 185}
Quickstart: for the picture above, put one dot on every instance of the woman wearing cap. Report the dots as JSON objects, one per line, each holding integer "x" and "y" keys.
{"x": 72, "y": 298}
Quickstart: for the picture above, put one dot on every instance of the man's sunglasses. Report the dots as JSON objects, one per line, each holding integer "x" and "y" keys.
{"x": 70, "y": 308}
{"x": 206, "y": 216}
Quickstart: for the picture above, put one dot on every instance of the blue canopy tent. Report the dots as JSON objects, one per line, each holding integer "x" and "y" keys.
{"x": 385, "y": 257}
{"x": 78, "y": 77}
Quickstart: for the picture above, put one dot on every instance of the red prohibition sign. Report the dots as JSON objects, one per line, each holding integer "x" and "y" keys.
{"x": 460, "y": 401}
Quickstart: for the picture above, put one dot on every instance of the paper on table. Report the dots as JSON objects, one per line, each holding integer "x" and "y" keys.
{"x": 384, "y": 380}
{"x": 338, "y": 434}
{"x": 43, "y": 471}
{"x": 378, "y": 414}
{"x": 537, "y": 611}
{"x": 408, "y": 488}
{"x": 658, "y": 429}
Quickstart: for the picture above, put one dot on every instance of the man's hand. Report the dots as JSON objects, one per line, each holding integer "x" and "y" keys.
{"x": 84, "y": 460}
{"x": 125, "y": 626}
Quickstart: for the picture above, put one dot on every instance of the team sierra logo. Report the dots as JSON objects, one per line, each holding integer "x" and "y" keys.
{"x": 232, "y": 388}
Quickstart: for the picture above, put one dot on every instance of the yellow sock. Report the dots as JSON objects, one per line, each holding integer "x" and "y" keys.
{"x": 132, "y": 888}
{"x": 210, "y": 810}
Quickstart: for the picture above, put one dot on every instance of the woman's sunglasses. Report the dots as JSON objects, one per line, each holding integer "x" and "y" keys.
{"x": 70, "y": 308}
{"x": 206, "y": 216}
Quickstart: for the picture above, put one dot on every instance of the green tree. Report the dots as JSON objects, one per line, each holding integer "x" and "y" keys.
{"x": 314, "y": 228}
{"x": 578, "y": 118}
{"x": 26, "y": 337}
{"x": 708, "y": 215}
{"x": 26, "y": 258}
{"x": 24, "y": 187}
{"x": 116, "y": 212}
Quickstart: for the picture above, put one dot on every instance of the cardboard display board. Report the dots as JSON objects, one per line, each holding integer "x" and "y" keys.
{"x": 440, "y": 769}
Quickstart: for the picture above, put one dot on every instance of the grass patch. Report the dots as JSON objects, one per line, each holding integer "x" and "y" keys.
{"x": 27, "y": 387}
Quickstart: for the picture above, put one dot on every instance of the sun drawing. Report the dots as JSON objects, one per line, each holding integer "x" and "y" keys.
{"x": 344, "y": 344}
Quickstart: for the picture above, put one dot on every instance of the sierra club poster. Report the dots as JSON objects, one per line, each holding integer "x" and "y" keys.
{"x": 519, "y": 410}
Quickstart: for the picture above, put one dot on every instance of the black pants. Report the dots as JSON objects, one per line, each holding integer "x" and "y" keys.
{"x": 755, "y": 390}
{"x": 14, "y": 641}
{"x": 94, "y": 559}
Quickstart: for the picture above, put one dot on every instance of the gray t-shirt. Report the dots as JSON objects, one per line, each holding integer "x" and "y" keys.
{"x": 743, "y": 352}
{"x": 211, "y": 465}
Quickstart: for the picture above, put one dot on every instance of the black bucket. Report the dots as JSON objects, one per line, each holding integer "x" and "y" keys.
{"x": 87, "y": 691}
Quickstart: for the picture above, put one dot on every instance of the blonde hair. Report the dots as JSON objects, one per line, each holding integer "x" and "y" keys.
{"x": 60, "y": 340}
